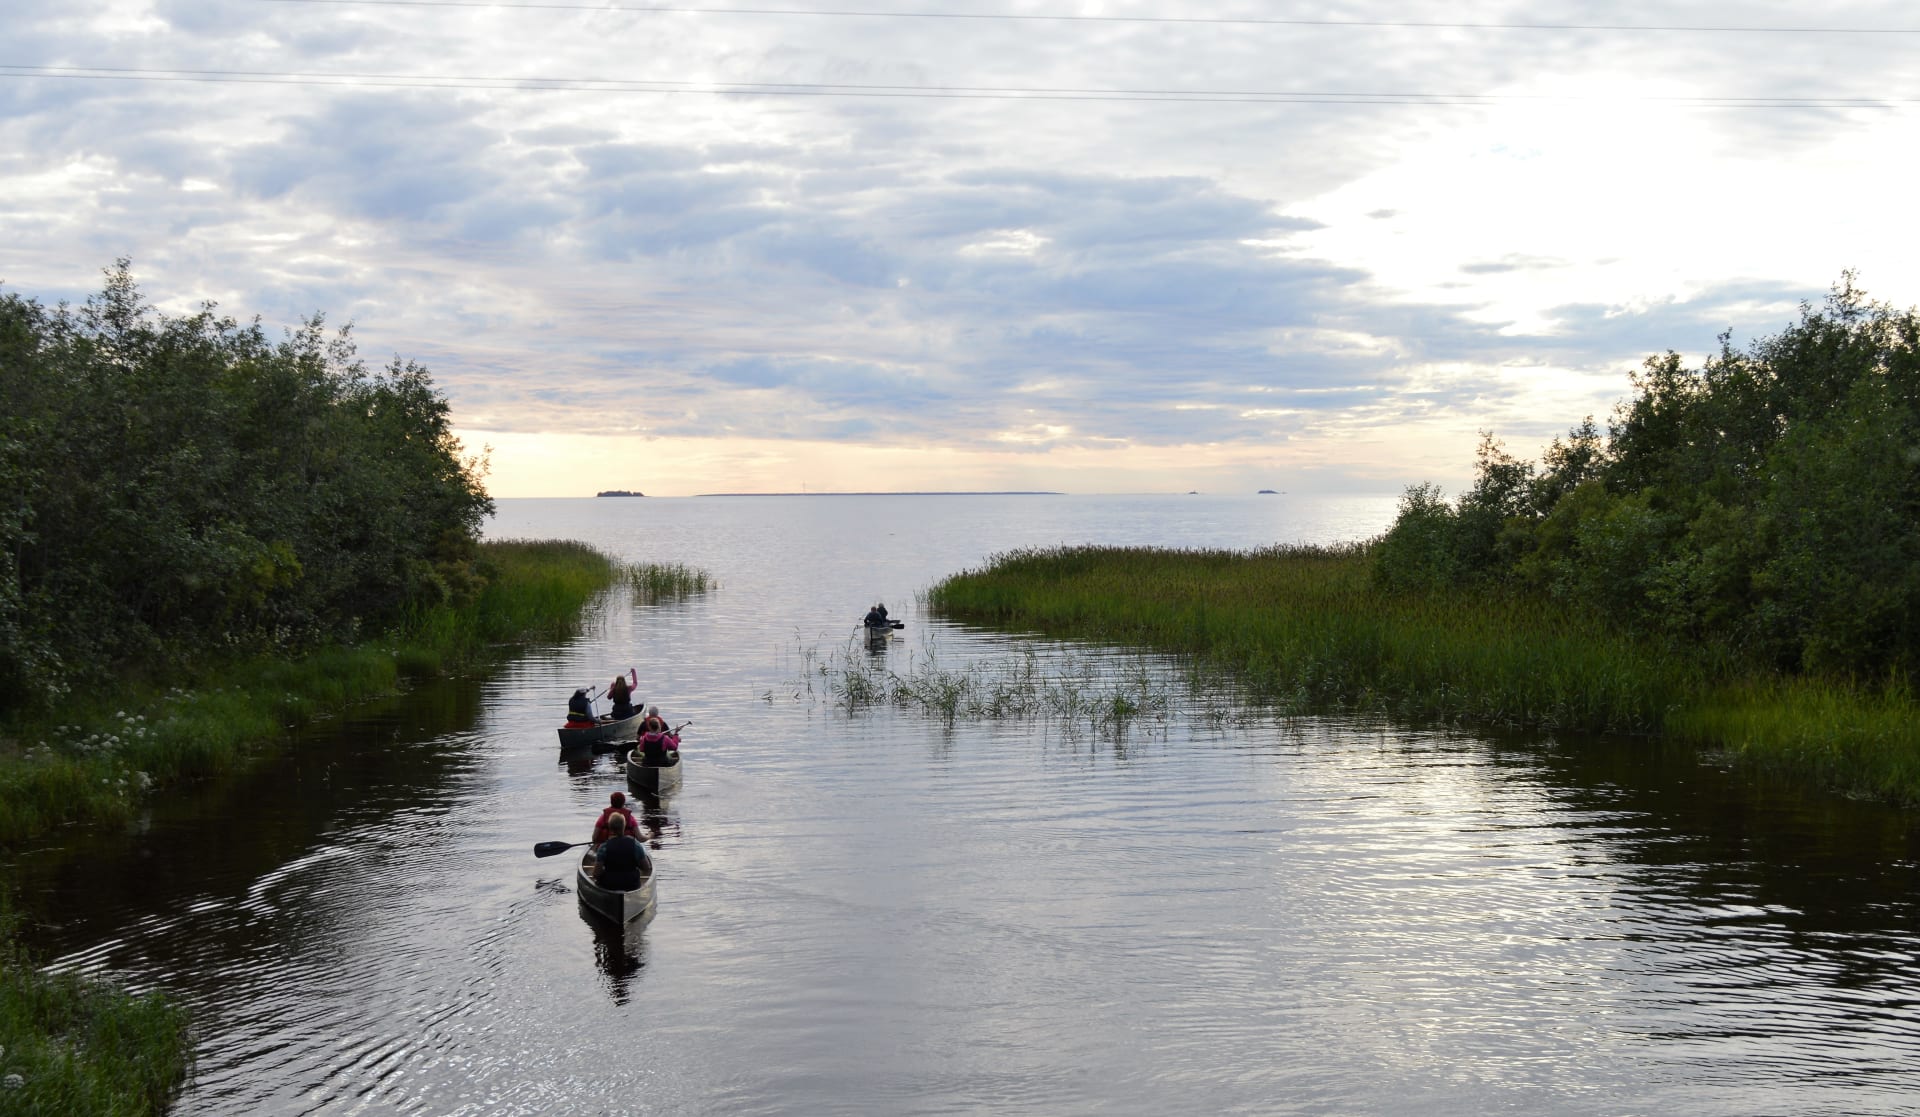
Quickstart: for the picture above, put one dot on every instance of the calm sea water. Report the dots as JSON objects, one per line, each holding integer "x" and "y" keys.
{"x": 1212, "y": 911}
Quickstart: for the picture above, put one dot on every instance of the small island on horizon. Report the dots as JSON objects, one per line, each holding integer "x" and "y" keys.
{"x": 930, "y": 492}
{"x": 620, "y": 492}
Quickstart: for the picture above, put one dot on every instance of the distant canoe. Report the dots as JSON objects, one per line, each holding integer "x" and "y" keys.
{"x": 608, "y": 735}
{"x": 621, "y": 907}
{"x": 654, "y": 778}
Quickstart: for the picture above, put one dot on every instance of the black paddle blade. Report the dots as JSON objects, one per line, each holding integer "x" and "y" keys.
{"x": 548, "y": 849}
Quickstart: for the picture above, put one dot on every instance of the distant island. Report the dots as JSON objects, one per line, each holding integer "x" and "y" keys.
{"x": 1266, "y": 492}
{"x": 619, "y": 492}
{"x": 931, "y": 493}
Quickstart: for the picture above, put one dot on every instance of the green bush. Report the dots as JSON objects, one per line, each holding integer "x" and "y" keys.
{"x": 181, "y": 489}
{"x": 1765, "y": 505}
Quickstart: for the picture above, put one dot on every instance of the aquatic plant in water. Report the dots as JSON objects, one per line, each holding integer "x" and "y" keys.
{"x": 655, "y": 581}
{"x": 1108, "y": 693}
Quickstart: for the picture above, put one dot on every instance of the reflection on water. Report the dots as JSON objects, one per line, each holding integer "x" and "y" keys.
{"x": 620, "y": 950}
{"x": 884, "y": 913}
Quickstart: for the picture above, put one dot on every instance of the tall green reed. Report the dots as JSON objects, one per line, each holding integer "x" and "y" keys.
{"x": 655, "y": 582}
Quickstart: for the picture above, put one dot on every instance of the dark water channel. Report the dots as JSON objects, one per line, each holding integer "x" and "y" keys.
{"x": 879, "y": 913}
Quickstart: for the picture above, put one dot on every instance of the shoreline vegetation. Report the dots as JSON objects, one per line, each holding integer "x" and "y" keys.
{"x": 1308, "y": 630}
{"x": 277, "y": 533}
{"x": 1731, "y": 565}
{"x": 99, "y": 763}
{"x": 84, "y": 1045}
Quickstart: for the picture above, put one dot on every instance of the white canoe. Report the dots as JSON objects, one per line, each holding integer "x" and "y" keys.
{"x": 622, "y": 907}
{"x": 656, "y": 778}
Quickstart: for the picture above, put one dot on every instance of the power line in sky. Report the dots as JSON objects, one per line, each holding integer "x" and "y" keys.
{"x": 1042, "y": 17}
{"x": 513, "y": 83}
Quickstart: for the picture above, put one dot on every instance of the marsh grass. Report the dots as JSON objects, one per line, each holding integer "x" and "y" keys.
{"x": 99, "y": 762}
{"x": 1075, "y": 692}
{"x": 1306, "y": 630}
{"x": 83, "y": 1045}
{"x": 653, "y": 582}
{"x": 1864, "y": 740}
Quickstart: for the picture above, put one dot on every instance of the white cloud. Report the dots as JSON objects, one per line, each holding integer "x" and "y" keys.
{"x": 1224, "y": 289}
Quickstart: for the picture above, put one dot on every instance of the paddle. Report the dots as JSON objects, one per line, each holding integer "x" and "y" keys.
{"x": 548, "y": 849}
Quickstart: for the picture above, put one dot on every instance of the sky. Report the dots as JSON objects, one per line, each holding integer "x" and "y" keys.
{"x": 1070, "y": 245}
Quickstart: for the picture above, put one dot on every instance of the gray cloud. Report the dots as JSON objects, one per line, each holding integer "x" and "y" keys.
{"x": 919, "y": 270}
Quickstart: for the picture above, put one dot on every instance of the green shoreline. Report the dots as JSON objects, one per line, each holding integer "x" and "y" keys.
{"x": 83, "y": 1045}
{"x": 1307, "y": 629}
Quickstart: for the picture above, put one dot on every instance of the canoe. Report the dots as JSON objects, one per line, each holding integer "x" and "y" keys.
{"x": 606, "y": 736}
{"x": 879, "y": 634}
{"x": 656, "y": 778}
{"x": 621, "y": 907}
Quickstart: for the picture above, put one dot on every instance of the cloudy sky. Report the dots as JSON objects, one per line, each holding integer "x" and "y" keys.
{"x": 1079, "y": 245}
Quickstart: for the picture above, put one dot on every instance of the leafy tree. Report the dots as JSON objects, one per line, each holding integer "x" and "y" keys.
{"x": 1767, "y": 501}
{"x": 181, "y": 486}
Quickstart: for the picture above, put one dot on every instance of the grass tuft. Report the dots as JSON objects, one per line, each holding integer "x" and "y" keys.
{"x": 83, "y": 1045}
{"x": 654, "y": 582}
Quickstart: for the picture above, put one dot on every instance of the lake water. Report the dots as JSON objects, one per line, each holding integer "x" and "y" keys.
{"x": 1209, "y": 909}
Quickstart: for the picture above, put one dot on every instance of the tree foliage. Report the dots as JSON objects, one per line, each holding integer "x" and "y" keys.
{"x": 1767, "y": 502}
{"x": 179, "y": 486}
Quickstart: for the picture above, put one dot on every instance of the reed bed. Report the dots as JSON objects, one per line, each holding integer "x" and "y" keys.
{"x": 1305, "y": 629}
{"x": 1863, "y": 740}
{"x": 96, "y": 766}
{"x": 655, "y": 582}
{"x": 534, "y": 590}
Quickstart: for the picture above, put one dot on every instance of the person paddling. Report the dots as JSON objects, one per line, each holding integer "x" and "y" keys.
{"x": 616, "y": 811}
{"x": 620, "y": 693}
{"x": 580, "y": 710}
{"x": 656, "y": 738}
{"x": 621, "y": 862}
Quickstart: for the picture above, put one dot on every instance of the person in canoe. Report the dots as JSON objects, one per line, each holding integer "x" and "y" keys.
{"x": 616, "y": 811}
{"x": 620, "y": 693}
{"x": 580, "y": 713}
{"x": 621, "y": 862}
{"x": 656, "y": 739}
